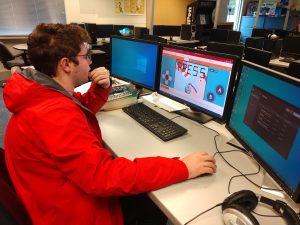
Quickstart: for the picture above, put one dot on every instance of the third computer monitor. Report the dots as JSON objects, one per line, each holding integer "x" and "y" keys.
{"x": 265, "y": 119}
{"x": 200, "y": 79}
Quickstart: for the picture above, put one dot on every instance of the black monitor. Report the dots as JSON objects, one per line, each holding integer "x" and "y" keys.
{"x": 258, "y": 56}
{"x": 261, "y": 32}
{"x": 265, "y": 119}
{"x": 135, "y": 61}
{"x": 91, "y": 28}
{"x": 105, "y": 30}
{"x": 218, "y": 35}
{"x": 166, "y": 30}
{"x": 140, "y": 32}
{"x": 124, "y": 30}
{"x": 231, "y": 49}
{"x": 291, "y": 47}
{"x": 202, "y": 80}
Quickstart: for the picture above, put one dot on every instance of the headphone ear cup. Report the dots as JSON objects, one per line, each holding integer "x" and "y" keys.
{"x": 245, "y": 198}
{"x": 236, "y": 214}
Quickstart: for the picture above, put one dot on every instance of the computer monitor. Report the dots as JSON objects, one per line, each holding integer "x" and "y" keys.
{"x": 261, "y": 32}
{"x": 265, "y": 119}
{"x": 140, "y": 32}
{"x": 124, "y": 30}
{"x": 166, "y": 30}
{"x": 231, "y": 49}
{"x": 258, "y": 56}
{"x": 218, "y": 35}
{"x": 291, "y": 47}
{"x": 91, "y": 28}
{"x": 135, "y": 61}
{"x": 202, "y": 80}
{"x": 105, "y": 30}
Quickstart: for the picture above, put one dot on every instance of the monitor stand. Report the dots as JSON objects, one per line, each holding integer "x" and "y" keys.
{"x": 195, "y": 115}
{"x": 268, "y": 182}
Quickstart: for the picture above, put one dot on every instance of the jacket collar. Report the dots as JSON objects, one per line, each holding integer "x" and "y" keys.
{"x": 43, "y": 79}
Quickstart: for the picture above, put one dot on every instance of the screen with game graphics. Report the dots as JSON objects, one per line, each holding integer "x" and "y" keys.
{"x": 202, "y": 80}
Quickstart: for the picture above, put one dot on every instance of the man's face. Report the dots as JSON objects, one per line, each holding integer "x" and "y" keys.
{"x": 82, "y": 70}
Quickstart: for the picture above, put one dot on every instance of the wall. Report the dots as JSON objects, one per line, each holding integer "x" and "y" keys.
{"x": 169, "y": 12}
{"x": 99, "y": 11}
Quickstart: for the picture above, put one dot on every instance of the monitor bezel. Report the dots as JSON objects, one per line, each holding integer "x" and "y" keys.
{"x": 229, "y": 97}
{"x": 138, "y": 85}
{"x": 294, "y": 195}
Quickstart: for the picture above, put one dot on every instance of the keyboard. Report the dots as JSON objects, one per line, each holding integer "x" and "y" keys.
{"x": 158, "y": 124}
{"x": 118, "y": 92}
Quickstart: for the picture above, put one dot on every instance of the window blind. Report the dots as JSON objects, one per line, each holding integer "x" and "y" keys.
{"x": 19, "y": 17}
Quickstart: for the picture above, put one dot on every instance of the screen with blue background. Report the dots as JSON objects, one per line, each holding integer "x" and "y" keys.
{"x": 134, "y": 61}
{"x": 286, "y": 168}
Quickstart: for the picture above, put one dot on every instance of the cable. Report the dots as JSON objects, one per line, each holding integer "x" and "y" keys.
{"x": 195, "y": 217}
{"x": 236, "y": 169}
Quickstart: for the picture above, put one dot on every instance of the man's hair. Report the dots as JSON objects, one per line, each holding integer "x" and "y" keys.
{"x": 48, "y": 43}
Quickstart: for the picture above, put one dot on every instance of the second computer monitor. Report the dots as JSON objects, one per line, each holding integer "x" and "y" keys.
{"x": 135, "y": 61}
{"x": 202, "y": 80}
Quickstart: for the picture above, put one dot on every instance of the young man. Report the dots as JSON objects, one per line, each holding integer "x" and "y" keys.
{"x": 53, "y": 144}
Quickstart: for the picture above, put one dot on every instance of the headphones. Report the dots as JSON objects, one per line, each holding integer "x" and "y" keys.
{"x": 238, "y": 206}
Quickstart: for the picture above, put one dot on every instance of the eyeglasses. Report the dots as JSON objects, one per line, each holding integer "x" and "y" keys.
{"x": 87, "y": 56}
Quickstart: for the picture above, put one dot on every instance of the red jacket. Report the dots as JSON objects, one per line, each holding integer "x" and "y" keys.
{"x": 56, "y": 160}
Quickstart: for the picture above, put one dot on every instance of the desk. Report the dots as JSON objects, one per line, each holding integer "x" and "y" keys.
{"x": 278, "y": 63}
{"x": 182, "y": 201}
{"x": 22, "y": 47}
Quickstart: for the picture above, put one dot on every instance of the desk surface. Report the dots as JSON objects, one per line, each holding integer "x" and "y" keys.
{"x": 182, "y": 201}
{"x": 22, "y": 47}
{"x": 278, "y": 63}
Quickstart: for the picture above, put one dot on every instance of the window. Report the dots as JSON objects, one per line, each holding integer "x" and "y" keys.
{"x": 19, "y": 17}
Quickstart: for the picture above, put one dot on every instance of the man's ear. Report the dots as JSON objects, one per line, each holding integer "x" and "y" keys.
{"x": 65, "y": 64}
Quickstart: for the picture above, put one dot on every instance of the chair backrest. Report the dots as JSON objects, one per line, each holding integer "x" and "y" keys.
{"x": 5, "y": 54}
{"x": 234, "y": 37}
{"x": 294, "y": 69}
{"x": 257, "y": 56}
{"x": 12, "y": 210}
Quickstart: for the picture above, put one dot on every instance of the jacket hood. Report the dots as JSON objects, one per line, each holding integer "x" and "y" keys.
{"x": 29, "y": 87}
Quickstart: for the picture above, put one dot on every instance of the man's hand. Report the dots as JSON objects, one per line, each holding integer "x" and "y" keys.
{"x": 199, "y": 163}
{"x": 100, "y": 76}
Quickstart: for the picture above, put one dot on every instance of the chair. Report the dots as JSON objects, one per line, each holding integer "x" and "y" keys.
{"x": 294, "y": 69}
{"x": 12, "y": 210}
{"x": 258, "y": 56}
{"x": 9, "y": 60}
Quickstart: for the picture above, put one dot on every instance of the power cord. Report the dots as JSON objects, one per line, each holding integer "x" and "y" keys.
{"x": 195, "y": 217}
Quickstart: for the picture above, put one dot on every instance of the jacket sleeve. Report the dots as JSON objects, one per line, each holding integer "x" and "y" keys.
{"x": 79, "y": 155}
{"x": 94, "y": 98}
